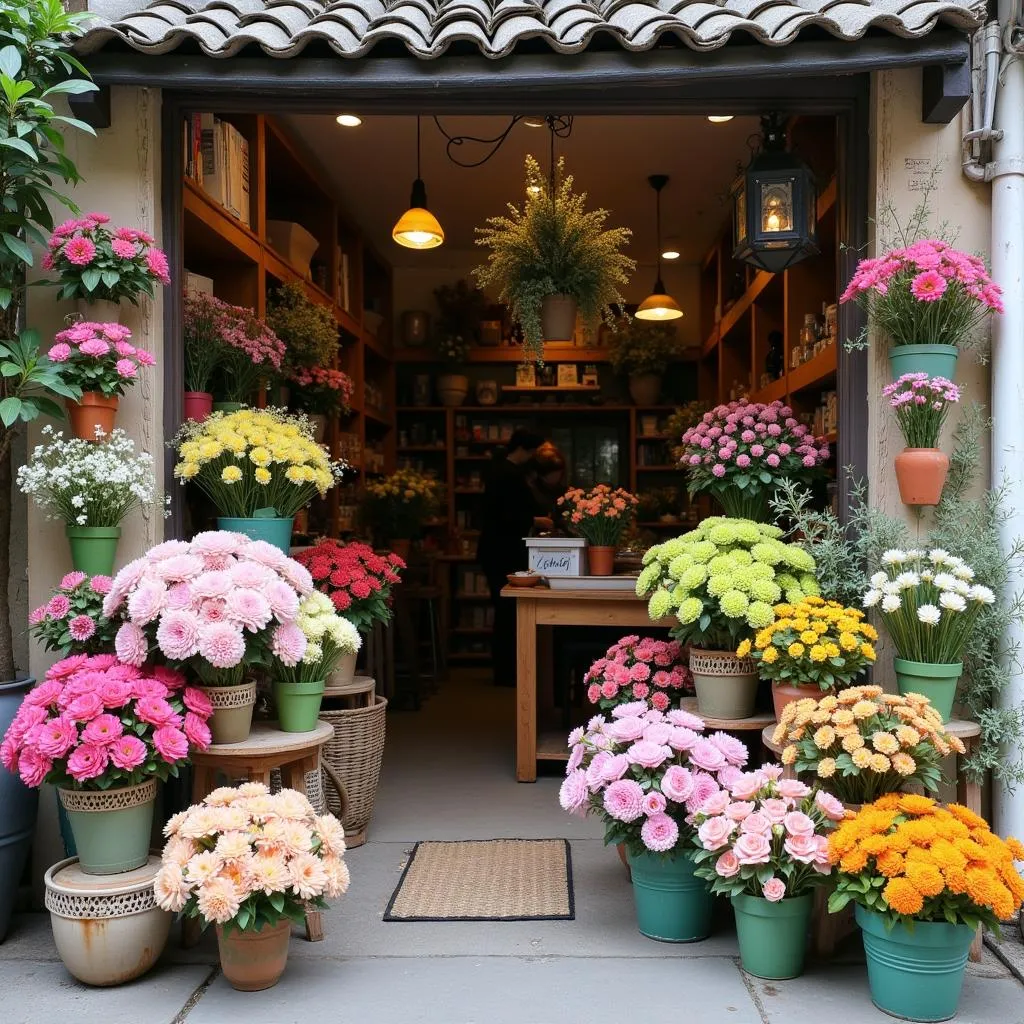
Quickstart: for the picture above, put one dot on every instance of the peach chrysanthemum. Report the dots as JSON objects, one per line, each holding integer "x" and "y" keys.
{"x": 849, "y": 697}
{"x": 864, "y": 709}
{"x": 884, "y": 743}
{"x": 179, "y": 850}
{"x": 222, "y": 797}
{"x": 829, "y": 703}
{"x": 198, "y": 823}
{"x": 296, "y": 837}
{"x": 252, "y": 789}
{"x": 826, "y": 768}
{"x": 904, "y": 764}
{"x": 291, "y": 804}
{"x": 202, "y": 867}
{"x": 174, "y": 823}
{"x": 307, "y": 875}
{"x": 824, "y": 737}
{"x": 880, "y": 763}
{"x": 331, "y": 833}
{"x": 820, "y": 717}
{"x": 854, "y": 741}
{"x": 908, "y": 736}
{"x": 218, "y": 900}
{"x": 789, "y": 755}
{"x": 337, "y": 876}
{"x": 861, "y": 758}
{"x": 238, "y": 874}
{"x": 902, "y": 897}
{"x": 170, "y": 888}
{"x": 780, "y": 731}
{"x": 269, "y": 873}
{"x": 232, "y": 845}
{"x": 843, "y": 717}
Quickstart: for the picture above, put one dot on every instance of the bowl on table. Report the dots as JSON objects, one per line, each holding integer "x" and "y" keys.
{"x": 524, "y": 579}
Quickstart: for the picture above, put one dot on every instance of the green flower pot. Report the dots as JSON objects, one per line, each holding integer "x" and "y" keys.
{"x": 935, "y": 360}
{"x": 93, "y": 548}
{"x": 228, "y": 406}
{"x": 298, "y": 705}
{"x": 274, "y": 531}
{"x": 936, "y": 682}
{"x": 915, "y": 975}
{"x": 672, "y": 903}
{"x": 772, "y": 936}
{"x": 111, "y": 827}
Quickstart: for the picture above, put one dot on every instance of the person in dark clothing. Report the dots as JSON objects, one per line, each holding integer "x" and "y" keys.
{"x": 545, "y": 475}
{"x": 508, "y": 512}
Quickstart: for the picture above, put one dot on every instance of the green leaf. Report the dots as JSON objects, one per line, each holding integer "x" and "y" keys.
{"x": 21, "y": 146}
{"x": 10, "y": 61}
{"x": 17, "y": 247}
{"x": 838, "y": 900}
{"x": 72, "y": 87}
{"x": 90, "y": 278}
{"x": 10, "y": 410}
{"x": 277, "y": 901}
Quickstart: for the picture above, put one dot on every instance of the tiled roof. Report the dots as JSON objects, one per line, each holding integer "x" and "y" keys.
{"x": 283, "y": 28}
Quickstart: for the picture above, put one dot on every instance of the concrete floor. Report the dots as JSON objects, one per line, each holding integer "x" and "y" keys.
{"x": 444, "y": 781}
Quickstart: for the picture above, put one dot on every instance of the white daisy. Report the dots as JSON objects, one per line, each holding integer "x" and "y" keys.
{"x": 929, "y": 614}
{"x": 894, "y": 556}
{"x": 953, "y": 602}
{"x": 871, "y": 598}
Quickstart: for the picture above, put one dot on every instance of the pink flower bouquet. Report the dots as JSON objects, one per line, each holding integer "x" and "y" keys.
{"x": 72, "y": 621}
{"x": 99, "y": 357}
{"x": 765, "y": 836}
{"x": 211, "y": 606}
{"x": 635, "y": 669}
{"x": 601, "y": 514}
{"x": 921, "y": 404}
{"x": 927, "y": 293}
{"x": 647, "y": 773}
{"x": 95, "y": 723}
{"x": 244, "y": 858}
{"x": 320, "y": 390}
{"x": 96, "y": 261}
{"x": 739, "y": 452}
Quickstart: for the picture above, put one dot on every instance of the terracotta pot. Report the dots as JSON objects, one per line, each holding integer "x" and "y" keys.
{"x": 783, "y": 695}
{"x": 601, "y": 560}
{"x": 91, "y": 412}
{"x": 558, "y": 318}
{"x": 921, "y": 475}
{"x": 644, "y": 388}
{"x": 253, "y": 961}
{"x": 198, "y": 405}
{"x": 452, "y": 389}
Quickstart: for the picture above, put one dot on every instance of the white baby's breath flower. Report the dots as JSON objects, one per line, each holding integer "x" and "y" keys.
{"x": 952, "y": 602}
{"x": 929, "y": 615}
{"x": 982, "y": 594}
{"x": 871, "y": 598}
{"x": 894, "y": 556}
{"x": 891, "y": 603}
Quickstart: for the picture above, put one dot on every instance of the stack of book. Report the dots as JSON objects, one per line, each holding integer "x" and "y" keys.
{"x": 217, "y": 159}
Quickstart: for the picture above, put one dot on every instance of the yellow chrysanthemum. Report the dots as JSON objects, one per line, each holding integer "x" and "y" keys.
{"x": 231, "y": 474}
{"x": 808, "y": 636}
{"x": 901, "y": 895}
{"x": 186, "y": 470}
{"x": 263, "y": 476}
{"x": 867, "y": 651}
{"x": 744, "y": 649}
{"x": 824, "y": 737}
{"x": 789, "y": 755}
{"x": 885, "y": 743}
{"x": 795, "y": 650}
{"x": 831, "y": 650}
{"x": 818, "y": 653}
{"x": 770, "y": 656}
{"x": 826, "y": 768}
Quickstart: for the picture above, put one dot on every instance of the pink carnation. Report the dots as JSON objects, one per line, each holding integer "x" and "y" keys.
{"x": 94, "y": 347}
{"x": 660, "y": 700}
{"x": 171, "y": 743}
{"x": 126, "y": 368}
{"x": 128, "y": 752}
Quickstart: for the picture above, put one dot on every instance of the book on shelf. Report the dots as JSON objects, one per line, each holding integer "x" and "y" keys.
{"x": 225, "y": 166}
{"x": 191, "y": 141}
{"x": 341, "y": 288}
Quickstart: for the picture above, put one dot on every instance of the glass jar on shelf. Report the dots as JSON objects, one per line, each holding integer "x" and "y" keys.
{"x": 808, "y": 337}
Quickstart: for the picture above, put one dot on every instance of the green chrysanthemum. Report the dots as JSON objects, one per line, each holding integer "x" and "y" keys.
{"x": 761, "y": 571}
{"x": 721, "y": 563}
{"x": 765, "y": 590}
{"x": 768, "y": 552}
{"x": 694, "y": 576}
{"x": 650, "y": 555}
{"x": 679, "y": 565}
{"x": 669, "y": 550}
{"x": 703, "y": 551}
{"x": 659, "y": 605}
{"x": 809, "y": 585}
{"x": 690, "y": 610}
{"x": 769, "y": 531}
{"x": 741, "y": 556}
{"x": 799, "y": 559}
{"x": 720, "y": 584}
{"x": 734, "y": 604}
{"x": 787, "y": 582}
{"x": 742, "y": 579}
{"x": 794, "y": 595}
{"x": 647, "y": 579}
{"x": 723, "y": 534}
{"x": 747, "y": 532}
{"x": 759, "y": 615}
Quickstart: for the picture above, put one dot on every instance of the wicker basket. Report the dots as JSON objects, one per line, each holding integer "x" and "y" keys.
{"x": 355, "y": 753}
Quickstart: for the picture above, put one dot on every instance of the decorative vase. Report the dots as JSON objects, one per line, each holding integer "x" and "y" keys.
{"x": 274, "y": 530}
{"x": 18, "y": 808}
{"x": 746, "y": 504}
{"x": 92, "y": 413}
{"x": 344, "y": 672}
{"x": 783, "y": 694}
{"x": 452, "y": 389}
{"x": 319, "y": 421}
{"x": 93, "y": 548}
{"x": 672, "y": 903}
{"x": 298, "y": 704}
{"x": 726, "y": 685}
{"x": 232, "y": 711}
{"x": 198, "y": 405}
{"x": 254, "y": 960}
{"x": 921, "y": 475}
{"x": 936, "y": 682}
{"x": 106, "y": 930}
{"x": 558, "y": 318}
{"x": 99, "y": 311}
{"x": 219, "y": 406}
{"x": 601, "y": 559}
{"x": 772, "y": 936}
{"x": 111, "y": 826}
{"x": 935, "y": 360}
{"x": 645, "y": 389}
{"x": 915, "y": 975}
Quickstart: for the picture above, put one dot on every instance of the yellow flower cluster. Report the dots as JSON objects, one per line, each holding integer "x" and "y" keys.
{"x": 405, "y": 486}
{"x": 933, "y": 859}
{"x": 866, "y": 741}
{"x": 813, "y": 641}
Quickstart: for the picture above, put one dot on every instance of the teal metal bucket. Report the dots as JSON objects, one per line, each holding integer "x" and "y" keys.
{"x": 915, "y": 975}
{"x": 772, "y": 936}
{"x": 274, "y": 531}
{"x": 298, "y": 705}
{"x": 936, "y": 682}
{"x": 935, "y": 360}
{"x": 672, "y": 904}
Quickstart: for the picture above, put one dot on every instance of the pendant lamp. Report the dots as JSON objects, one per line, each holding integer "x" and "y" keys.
{"x": 418, "y": 228}
{"x": 658, "y": 305}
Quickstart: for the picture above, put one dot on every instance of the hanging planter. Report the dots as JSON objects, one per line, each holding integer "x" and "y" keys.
{"x": 934, "y": 360}
{"x": 99, "y": 310}
{"x": 726, "y": 685}
{"x": 93, "y": 414}
{"x": 558, "y": 318}
{"x": 111, "y": 826}
{"x": 93, "y": 548}
{"x": 921, "y": 475}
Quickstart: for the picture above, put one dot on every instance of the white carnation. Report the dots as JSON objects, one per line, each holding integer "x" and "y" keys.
{"x": 952, "y": 602}
{"x": 891, "y": 603}
{"x": 871, "y": 598}
{"x": 894, "y": 556}
{"x": 929, "y": 614}
{"x": 982, "y": 594}
{"x": 879, "y": 579}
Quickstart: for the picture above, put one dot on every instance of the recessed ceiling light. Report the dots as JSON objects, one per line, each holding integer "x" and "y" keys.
{"x": 349, "y": 120}
{"x": 670, "y": 253}
{"x": 720, "y": 118}
{"x": 534, "y": 122}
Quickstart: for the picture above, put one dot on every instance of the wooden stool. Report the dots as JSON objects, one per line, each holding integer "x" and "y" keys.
{"x": 967, "y": 793}
{"x": 756, "y": 723}
{"x": 360, "y": 693}
{"x": 267, "y": 748}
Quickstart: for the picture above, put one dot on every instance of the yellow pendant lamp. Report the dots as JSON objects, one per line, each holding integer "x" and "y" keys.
{"x": 658, "y": 305}
{"x": 418, "y": 228}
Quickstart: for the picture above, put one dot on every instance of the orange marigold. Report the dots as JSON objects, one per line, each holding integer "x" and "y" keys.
{"x": 1016, "y": 848}
{"x": 875, "y": 845}
{"x": 912, "y": 803}
{"x": 1009, "y": 877}
{"x": 982, "y": 885}
{"x": 854, "y": 861}
{"x": 902, "y": 896}
{"x": 1003, "y": 902}
{"x": 890, "y": 864}
{"x": 925, "y": 878}
{"x": 956, "y": 879}
{"x": 967, "y": 816}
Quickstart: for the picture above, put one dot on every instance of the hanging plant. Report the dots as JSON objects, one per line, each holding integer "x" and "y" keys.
{"x": 552, "y": 246}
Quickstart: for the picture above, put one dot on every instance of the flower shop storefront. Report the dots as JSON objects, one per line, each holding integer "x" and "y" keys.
{"x": 322, "y": 377}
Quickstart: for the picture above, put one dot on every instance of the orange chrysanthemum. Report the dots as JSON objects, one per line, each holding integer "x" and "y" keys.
{"x": 982, "y": 885}
{"x": 888, "y": 802}
{"x": 956, "y": 879}
{"x": 911, "y": 803}
{"x": 967, "y": 817}
{"x": 925, "y": 878}
{"x": 856, "y": 860}
{"x": 891, "y": 864}
{"x": 902, "y": 897}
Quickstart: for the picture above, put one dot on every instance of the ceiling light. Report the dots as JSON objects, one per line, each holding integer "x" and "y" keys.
{"x": 418, "y": 228}
{"x": 671, "y": 250}
{"x": 658, "y": 305}
{"x": 535, "y": 122}
{"x": 720, "y": 118}
{"x": 349, "y": 120}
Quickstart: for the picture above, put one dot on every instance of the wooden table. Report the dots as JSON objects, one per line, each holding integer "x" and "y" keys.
{"x": 538, "y": 607}
{"x": 267, "y": 748}
{"x": 967, "y": 793}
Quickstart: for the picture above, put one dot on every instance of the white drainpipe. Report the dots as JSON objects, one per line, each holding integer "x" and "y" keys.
{"x": 1006, "y": 172}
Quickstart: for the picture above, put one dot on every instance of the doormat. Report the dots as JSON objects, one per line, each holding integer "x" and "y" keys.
{"x": 486, "y": 880}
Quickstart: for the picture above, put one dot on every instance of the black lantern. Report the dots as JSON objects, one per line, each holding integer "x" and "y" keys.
{"x": 775, "y": 214}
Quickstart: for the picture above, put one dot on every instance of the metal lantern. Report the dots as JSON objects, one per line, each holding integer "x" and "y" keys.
{"x": 775, "y": 216}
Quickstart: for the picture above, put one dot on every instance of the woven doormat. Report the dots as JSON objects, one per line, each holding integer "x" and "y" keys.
{"x": 488, "y": 880}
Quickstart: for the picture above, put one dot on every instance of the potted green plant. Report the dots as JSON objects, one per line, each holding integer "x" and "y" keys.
{"x": 460, "y": 310}
{"x": 204, "y": 350}
{"x": 643, "y": 350}
{"x": 308, "y": 329}
{"x": 552, "y": 257}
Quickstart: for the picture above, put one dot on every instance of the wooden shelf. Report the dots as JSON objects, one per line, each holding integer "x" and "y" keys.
{"x": 552, "y": 389}
{"x": 815, "y": 372}
{"x": 225, "y": 231}
{"x": 377, "y": 416}
{"x": 657, "y": 524}
{"x": 507, "y": 354}
{"x": 657, "y": 469}
{"x": 421, "y": 448}
{"x": 463, "y": 596}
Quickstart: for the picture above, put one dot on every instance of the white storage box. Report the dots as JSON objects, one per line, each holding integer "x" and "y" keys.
{"x": 293, "y": 242}
{"x": 557, "y": 556}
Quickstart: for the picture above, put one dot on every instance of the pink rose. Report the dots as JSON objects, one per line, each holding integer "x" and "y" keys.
{"x": 792, "y": 789}
{"x": 716, "y": 803}
{"x": 822, "y": 863}
{"x": 802, "y": 848}
{"x": 614, "y": 768}
{"x": 798, "y": 824}
{"x": 756, "y": 823}
{"x": 715, "y": 833}
{"x": 56, "y": 737}
{"x": 658, "y": 732}
{"x": 574, "y": 793}
{"x": 627, "y": 730}
{"x": 773, "y": 772}
{"x": 171, "y": 743}
{"x": 654, "y": 803}
{"x": 774, "y": 810}
{"x": 752, "y": 848}
{"x": 774, "y": 890}
{"x": 103, "y": 730}
{"x": 648, "y": 755}
{"x": 87, "y": 761}
{"x": 830, "y": 806}
{"x": 747, "y": 786}
{"x": 33, "y": 767}
{"x": 705, "y": 754}
{"x": 739, "y": 811}
{"x": 727, "y": 865}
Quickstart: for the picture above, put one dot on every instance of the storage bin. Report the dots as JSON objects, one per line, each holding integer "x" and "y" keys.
{"x": 557, "y": 556}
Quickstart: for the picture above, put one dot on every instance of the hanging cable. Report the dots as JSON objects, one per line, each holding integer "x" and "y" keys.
{"x": 560, "y": 125}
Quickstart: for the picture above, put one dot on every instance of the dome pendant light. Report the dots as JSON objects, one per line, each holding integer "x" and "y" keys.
{"x": 418, "y": 228}
{"x": 658, "y": 305}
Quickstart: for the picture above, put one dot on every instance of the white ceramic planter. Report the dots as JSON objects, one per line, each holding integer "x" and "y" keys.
{"x": 107, "y": 928}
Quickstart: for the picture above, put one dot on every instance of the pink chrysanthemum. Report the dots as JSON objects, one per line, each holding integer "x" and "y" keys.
{"x": 223, "y": 646}
{"x": 178, "y": 634}
{"x": 80, "y": 251}
{"x": 81, "y": 628}
{"x": 659, "y": 833}
{"x": 928, "y": 286}
{"x": 128, "y": 752}
{"x": 289, "y": 644}
{"x": 623, "y": 800}
{"x": 123, "y": 249}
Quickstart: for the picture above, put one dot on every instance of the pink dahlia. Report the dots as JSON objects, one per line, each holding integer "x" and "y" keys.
{"x": 659, "y": 833}
{"x": 33, "y": 767}
{"x": 623, "y": 800}
{"x": 197, "y": 701}
{"x": 94, "y": 347}
{"x": 574, "y": 792}
{"x": 103, "y": 730}
{"x": 128, "y": 752}
{"x": 85, "y": 707}
{"x": 223, "y": 646}
{"x": 80, "y": 251}
{"x": 156, "y": 711}
{"x": 178, "y": 635}
{"x": 123, "y": 249}
{"x": 288, "y": 644}
{"x": 87, "y": 761}
{"x": 249, "y": 609}
{"x": 131, "y": 644}
{"x": 734, "y": 750}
